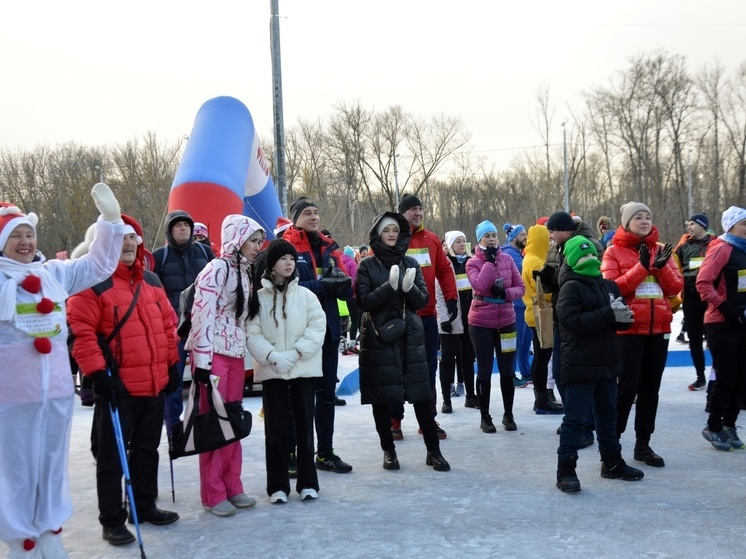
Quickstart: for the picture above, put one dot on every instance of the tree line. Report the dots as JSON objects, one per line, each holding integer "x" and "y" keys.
{"x": 656, "y": 132}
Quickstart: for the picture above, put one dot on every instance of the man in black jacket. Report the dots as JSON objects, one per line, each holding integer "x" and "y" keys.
{"x": 177, "y": 265}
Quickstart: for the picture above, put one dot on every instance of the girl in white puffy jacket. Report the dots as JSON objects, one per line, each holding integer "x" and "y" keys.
{"x": 285, "y": 336}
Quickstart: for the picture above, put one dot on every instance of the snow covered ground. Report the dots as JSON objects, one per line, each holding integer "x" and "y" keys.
{"x": 498, "y": 500}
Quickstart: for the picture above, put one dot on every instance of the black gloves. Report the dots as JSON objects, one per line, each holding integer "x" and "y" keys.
{"x": 452, "y": 310}
{"x": 201, "y": 375}
{"x": 662, "y": 255}
{"x": 645, "y": 256}
{"x": 173, "y": 380}
{"x": 103, "y": 387}
{"x": 498, "y": 290}
{"x": 333, "y": 285}
{"x": 446, "y": 326}
{"x": 490, "y": 253}
{"x": 545, "y": 274}
{"x": 334, "y": 272}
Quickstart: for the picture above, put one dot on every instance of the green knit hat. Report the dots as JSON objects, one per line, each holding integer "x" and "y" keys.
{"x": 576, "y": 248}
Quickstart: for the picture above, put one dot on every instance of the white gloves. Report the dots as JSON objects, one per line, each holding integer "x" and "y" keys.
{"x": 282, "y": 361}
{"x": 106, "y": 203}
{"x": 408, "y": 281}
{"x": 394, "y": 277}
{"x": 622, "y": 312}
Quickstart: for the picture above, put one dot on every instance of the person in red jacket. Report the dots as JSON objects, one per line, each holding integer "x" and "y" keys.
{"x": 142, "y": 357}
{"x": 720, "y": 282}
{"x": 647, "y": 276}
{"x": 426, "y": 248}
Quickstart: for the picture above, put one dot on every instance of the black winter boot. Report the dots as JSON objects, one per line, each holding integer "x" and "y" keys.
{"x": 435, "y": 459}
{"x": 390, "y": 460}
{"x": 614, "y": 467}
{"x": 543, "y": 405}
{"x": 567, "y": 480}
{"x": 644, "y": 453}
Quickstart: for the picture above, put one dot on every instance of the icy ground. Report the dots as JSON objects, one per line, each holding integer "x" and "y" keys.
{"x": 498, "y": 500}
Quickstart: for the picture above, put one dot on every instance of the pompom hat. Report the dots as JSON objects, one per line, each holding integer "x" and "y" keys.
{"x": 10, "y": 218}
{"x": 512, "y": 231}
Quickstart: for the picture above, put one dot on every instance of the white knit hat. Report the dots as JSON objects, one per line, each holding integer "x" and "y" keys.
{"x": 731, "y": 216}
{"x": 629, "y": 210}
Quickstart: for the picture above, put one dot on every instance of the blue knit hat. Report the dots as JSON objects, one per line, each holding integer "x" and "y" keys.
{"x": 349, "y": 251}
{"x": 512, "y": 231}
{"x": 485, "y": 227}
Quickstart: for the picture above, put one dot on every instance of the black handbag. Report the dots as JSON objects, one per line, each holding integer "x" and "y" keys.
{"x": 224, "y": 423}
{"x": 392, "y": 329}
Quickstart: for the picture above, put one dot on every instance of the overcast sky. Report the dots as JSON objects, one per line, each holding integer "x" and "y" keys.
{"x": 97, "y": 72}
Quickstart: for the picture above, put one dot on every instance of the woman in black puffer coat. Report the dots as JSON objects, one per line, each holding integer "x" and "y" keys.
{"x": 390, "y": 285}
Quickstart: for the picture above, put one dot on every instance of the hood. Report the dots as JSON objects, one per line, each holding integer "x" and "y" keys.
{"x": 235, "y": 230}
{"x": 173, "y": 217}
{"x": 387, "y": 254}
{"x": 537, "y": 242}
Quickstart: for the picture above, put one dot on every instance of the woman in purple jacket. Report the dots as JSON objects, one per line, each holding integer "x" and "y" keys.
{"x": 496, "y": 283}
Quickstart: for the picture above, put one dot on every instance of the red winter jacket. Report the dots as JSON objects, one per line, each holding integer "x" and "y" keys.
{"x": 645, "y": 291}
{"x": 426, "y": 248}
{"x": 145, "y": 346}
{"x": 718, "y": 283}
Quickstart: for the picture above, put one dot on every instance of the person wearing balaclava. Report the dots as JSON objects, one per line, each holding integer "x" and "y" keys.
{"x": 647, "y": 276}
{"x": 590, "y": 310}
{"x": 720, "y": 283}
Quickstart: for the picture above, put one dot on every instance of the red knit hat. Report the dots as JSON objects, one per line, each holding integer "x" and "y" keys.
{"x": 10, "y": 218}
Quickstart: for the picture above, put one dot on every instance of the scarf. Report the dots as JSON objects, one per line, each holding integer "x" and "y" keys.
{"x": 16, "y": 272}
{"x": 737, "y": 242}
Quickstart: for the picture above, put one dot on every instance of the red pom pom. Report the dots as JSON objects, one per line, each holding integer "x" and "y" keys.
{"x": 28, "y": 544}
{"x": 45, "y": 306}
{"x": 32, "y": 284}
{"x": 43, "y": 345}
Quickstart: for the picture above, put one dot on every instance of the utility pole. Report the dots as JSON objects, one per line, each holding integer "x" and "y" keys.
{"x": 274, "y": 37}
{"x": 564, "y": 148}
{"x": 689, "y": 201}
{"x": 396, "y": 183}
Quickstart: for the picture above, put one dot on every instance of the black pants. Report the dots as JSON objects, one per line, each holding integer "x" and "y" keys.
{"x": 694, "y": 314}
{"x": 325, "y": 391}
{"x": 487, "y": 344}
{"x": 276, "y": 394}
{"x": 457, "y": 354}
{"x": 540, "y": 364}
{"x": 423, "y": 412}
{"x": 142, "y": 421}
{"x": 354, "y": 319}
{"x": 643, "y": 360}
{"x": 728, "y": 347}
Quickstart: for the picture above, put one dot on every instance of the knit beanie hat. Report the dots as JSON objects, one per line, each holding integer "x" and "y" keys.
{"x": 408, "y": 201}
{"x": 560, "y": 221}
{"x": 731, "y": 216}
{"x": 629, "y": 210}
{"x": 451, "y": 237}
{"x": 298, "y": 206}
{"x": 276, "y": 250}
{"x": 200, "y": 229}
{"x": 701, "y": 219}
{"x": 575, "y": 249}
{"x": 512, "y": 231}
{"x": 388, "y": 220}
{"x": 485, "y": 227}
{"x": 349, "y": 251}
{"x": 542, "y": 220}
{"x": 282, "y": 224}
{"x": 10, "y": 218}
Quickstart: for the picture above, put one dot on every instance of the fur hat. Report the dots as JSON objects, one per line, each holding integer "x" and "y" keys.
{"x": 408, "y": 201}
{"x": 512, "y": 231}
{"x": 276, "y": 250}
{"x": 629, "y": 210}
{"x": 485, "y": 227}
{"x": 560, "y": 221}
{"x": 701, "y": 219}
{"x": 731, "y": 216}
{"x": 298, "y": 206}
{"x": 10, "y": 218}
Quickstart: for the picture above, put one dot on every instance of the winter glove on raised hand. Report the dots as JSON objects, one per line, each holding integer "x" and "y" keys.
{"x": 103, "y": 387}
{"x": 490, "y": 254}
{"x": 394, "y": 277}
{"x": 662, "y": 256}
{"x": 173, "y": 380}
{"x": 281, "y": 361}
{"x": 408, "y": 280}
{"x": 498, "y": 290}
{"x": 201, "y": 375}
{"x": 332, "y": 286}
{"x": 644, "y": 256}
{"x": 452, "y": 306}
{"x": 106, "y": 203}
{"x": 621, "y": 310}
{"x": 447, "y": 327}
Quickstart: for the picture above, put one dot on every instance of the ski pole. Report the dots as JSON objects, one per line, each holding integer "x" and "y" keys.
{"x": 170, "y": 447}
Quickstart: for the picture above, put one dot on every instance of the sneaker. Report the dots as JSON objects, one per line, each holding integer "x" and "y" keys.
{"x": 698, "y": 384}
{"x": 278, "y": 498}
{"x": 471, "y": 402}
{"x": 718, "y": 439}
{"x": 527, "y": 379}
{"x": 242, "y": 501}
{"x": 644, "y": 453}
{"x": 620, "y": 470}
{"x": 682, "y": 339}
{"x": 519, "y": 382}
{"x": 118, "y": 535}
{"x": 332, "y": 463}
{"x": 293, "y": 466}
{"x": 223, "y": 508}
{"x": 396, "y": 429}
{"x": 487, "y": 425}
{"x": 308, "y": 494}
{"x": 460, "y": 389}
{"x": 454, "y": 392}
{"x": 509, "y": 422}
{"x": 446, "y": 407}
{"x": 732, "y": 436}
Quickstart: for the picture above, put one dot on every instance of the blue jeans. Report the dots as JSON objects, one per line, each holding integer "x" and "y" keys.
{"x": 523, "y": 344}
{"x": 581, "y": 399}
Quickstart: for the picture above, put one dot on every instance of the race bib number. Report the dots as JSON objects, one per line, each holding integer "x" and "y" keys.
{"x": 741, "y": 280}
{"x": 37, "y": 324}
{"x": 422, "y": 255}
{"x": 696, "y": 263}
{"x": 508, "y": 342}
{"x": 649, "y": 289}
{"x": 462, "y": 282}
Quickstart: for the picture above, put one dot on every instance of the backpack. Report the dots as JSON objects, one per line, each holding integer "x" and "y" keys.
{"x": 186, "y": 302}
{"x": 165, "y": 254}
